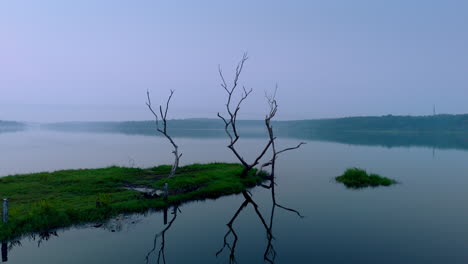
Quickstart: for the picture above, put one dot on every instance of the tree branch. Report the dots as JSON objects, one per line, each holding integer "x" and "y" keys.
{"x": 291, "y": 148}
{"x": 163, "y": 116}
{"x": 230, "y": 124}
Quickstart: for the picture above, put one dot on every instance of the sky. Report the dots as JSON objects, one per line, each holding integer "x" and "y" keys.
{"x": 93, "y": 60}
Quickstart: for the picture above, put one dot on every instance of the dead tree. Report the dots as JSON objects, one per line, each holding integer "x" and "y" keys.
{"x": 163, "y": 130}
{"x": 230, "y": 123}
{"x": 273, "y": 105}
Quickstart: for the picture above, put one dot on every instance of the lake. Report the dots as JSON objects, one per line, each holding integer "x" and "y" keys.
{"x": 424, "y": 219}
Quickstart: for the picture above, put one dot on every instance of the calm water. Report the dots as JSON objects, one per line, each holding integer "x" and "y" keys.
{"x": 422, "y": 220}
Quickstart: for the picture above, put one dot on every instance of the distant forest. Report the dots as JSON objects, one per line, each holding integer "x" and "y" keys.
{"x": 11, "y": 126}
{"x": 438, "y": 131}
{"x": 388, "y": 123}
{"x": 382, "y": 124}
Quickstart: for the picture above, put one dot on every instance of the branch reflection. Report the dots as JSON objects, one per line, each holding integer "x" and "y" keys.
{"x": 161, "y": 254}
{"x": 270, "y": 252}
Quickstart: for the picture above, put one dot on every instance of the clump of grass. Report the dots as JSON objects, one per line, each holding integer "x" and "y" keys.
{"x": 359, "y": 178}
{"x": 41, "y": 202}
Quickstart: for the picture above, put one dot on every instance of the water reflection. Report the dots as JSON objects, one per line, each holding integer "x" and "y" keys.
{"x": 231, "y": 238}
{"x": 255, "y": 129}
{"x": 400, "y": 227}
{"x": 4, "y": 252}
{"x": 157, "y": 253}
{"x": 40, "y": 237}
{"x": 270, "y": 252}
{"x": 116, "y": 224}
{"x": 10, "y": 126}
{"x": 162, "y": 235}
{"x": 434, "y": 140}
{"x": 8, "y": 246}
{"x": 44, "y": 236}
{"x": 120, "y": 222}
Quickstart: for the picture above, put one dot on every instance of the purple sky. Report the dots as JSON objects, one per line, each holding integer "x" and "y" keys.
{"x": 94, "y": 60}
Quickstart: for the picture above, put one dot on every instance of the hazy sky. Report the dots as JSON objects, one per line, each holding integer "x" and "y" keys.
{"x": 95, "y": 59}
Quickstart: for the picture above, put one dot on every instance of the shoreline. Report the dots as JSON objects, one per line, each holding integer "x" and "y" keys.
{"x": 39, "y": 202}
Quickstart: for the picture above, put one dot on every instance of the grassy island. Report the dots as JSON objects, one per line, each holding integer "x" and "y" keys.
{"x": 44, "y": 201}
{"x": 359, "y": 178}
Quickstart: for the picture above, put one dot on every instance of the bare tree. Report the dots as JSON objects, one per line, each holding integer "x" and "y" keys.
{"x": 230, "y": 123}
{"x": 163, "y": 130}
{"x": 273, "y": 105}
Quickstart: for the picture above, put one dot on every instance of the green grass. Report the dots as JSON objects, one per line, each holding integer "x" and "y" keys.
{"x": 44, "y": 201}
{"x": 359, "y": 178}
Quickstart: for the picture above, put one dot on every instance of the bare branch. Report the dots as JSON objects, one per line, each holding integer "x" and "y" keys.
{"x": 239, "y": 68}
{"x": 167, "y": 104}
{"x": 291, "y": 148}
{"x": 262, "y": 153}
{"x": 223, "y": 84}
{"x": 230, "y": 123}
{"x": 163, "y": 115}
{"x": 148, "y": 103}
{"x": 273, "y": 105}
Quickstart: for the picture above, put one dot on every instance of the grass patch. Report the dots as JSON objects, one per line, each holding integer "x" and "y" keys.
{"x": 44, "y": 201}
{"x": 359, "y": 178}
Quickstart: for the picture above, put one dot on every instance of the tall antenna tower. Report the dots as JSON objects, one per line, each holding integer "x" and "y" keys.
{"x": 433, "y": 110}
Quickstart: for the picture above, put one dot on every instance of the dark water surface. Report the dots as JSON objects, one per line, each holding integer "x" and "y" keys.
{"x": 422, "y": 220}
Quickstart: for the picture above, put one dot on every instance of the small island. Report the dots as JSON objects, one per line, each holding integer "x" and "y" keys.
{"x": 358, "y": 178}
{"x": 45, "y": 201}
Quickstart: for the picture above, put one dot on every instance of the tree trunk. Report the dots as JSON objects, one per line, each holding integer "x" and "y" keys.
{"x": 176, "y": 163}
{"x": 245, "y": 172}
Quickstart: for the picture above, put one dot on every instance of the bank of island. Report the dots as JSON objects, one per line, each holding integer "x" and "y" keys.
{"x": 356, "y": 178}
{"x": 43, "y": 201}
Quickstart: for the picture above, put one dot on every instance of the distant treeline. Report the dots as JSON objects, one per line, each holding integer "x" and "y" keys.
{"x": 11, "y": 126}
{"x": 388, "y": 123}
{"x": 179, "y": 128}
{"x": 435, "y": 123}
{"x": 439, "y": 131}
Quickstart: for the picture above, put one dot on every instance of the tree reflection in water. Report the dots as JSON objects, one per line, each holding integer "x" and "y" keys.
{"x": 162, "y": 235}
{"x": 4, "y": 251}
{"x": 229, "y": 243}
{"x": 7, "y": 246}
{"x": 270, "y": 252}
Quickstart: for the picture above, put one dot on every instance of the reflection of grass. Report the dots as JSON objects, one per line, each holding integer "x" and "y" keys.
{"x": 358, "y": 178}
{"x": 43, "y": 201}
